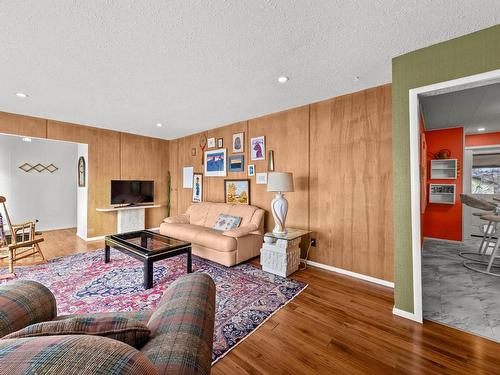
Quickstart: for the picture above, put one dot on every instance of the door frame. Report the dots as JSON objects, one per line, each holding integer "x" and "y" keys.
{"x": 414, "y": 106}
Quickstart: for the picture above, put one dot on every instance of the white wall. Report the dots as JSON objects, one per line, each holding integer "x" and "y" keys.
{"x": 49, "y": 197}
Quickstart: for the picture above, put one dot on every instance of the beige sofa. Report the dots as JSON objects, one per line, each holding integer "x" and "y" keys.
{"x": 227, "y": 248}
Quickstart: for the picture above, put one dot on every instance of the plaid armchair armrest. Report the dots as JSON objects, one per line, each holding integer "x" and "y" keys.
{"x": 182, "y": 327}
{"x": 24, "y": 302}
{"x": 72, "y": 355}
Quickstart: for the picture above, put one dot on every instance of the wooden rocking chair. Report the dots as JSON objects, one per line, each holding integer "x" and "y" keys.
{"x": 17, "y": 249}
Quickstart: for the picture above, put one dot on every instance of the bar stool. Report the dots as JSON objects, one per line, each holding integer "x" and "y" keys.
{"x": 489, "y": 229}
{"x": 486, "y": 266}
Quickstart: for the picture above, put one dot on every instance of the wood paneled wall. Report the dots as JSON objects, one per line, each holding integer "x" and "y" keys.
{"x": 339, "y": 151}
{"x": 112, "y": 155}
{"x": 351, "y": 182}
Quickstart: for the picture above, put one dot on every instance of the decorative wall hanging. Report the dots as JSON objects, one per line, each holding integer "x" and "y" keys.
{"x": 187, "y": 177}
{"x": 236, "y": 163}
{"x": 26, "y": 167}
{"x": 270, "y": 161}
{"x": 238, "y": 142}
{"x": 81, "y": 171}
{"x": 237, "y": 191}
{"x": 193, "y": 151}
{"x": 220, "y": 142}
{"x": 251, "y": 170}
{"x": 258, "y": 148}
{"x": 197, "y": 187}
{"x": 203, "y": 144}
{"x": 215, "y": 163}
{"x": 261, "y": 178}
{"x": 211, "y": 142}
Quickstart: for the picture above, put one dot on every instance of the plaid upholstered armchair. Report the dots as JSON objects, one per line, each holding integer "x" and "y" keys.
{"x": 180, "y": 341}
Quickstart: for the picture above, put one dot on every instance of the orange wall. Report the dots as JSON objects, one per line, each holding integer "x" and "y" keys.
{"x": 443, "y": 220}
{"x": 485, "y": 139}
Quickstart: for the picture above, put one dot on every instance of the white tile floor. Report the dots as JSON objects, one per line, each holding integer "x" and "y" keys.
{"x": 456, "y": 296}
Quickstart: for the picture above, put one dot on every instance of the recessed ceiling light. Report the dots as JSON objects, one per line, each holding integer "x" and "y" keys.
{"x": 282, "y": 79}
{"x": 159, "y": 125}
{"x": 481, "y": 129}
{"x": 26, "y": 139}
{"x": 21, "y": 95}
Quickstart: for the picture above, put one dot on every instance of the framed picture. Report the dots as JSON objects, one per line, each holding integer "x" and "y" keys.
{"x": 237, "y": 191}
{"x": 193, "y": 152}
{"x": 251, "y": 169}
{"x": 81, "y": 171}
{"x": 197, "y": 187}
{"x": 215, "y": 163}
{"x": 261, "y": 179}
{"x": 238, "y": 142}
{"x": 236, "y": 163}
{"x": 258, "y": 148}
{"x": 211, "y": 142}
{"x": 220, "y": 142}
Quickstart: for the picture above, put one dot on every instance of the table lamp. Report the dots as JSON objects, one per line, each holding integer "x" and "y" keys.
{"x": 279, "y": 182}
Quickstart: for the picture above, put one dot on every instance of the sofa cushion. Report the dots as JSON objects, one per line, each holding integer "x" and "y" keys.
{"x": 206, "y": 213}
{"x": 183, "y": 232}
{"x": 244, "y": 211}
{"x": 129, "y": 331}
{"x": 226, "y": 222}
{"x": 196, "y": 234}
{"x": 214, "y": 239}
{"x": 72, "y": 355}
{"x": 198, "y": 213}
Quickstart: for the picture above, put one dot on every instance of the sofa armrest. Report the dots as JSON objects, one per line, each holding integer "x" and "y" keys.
{"x": 242, "y": 231}
{"x": 24, "y": 302}
{"x": 180, "y": 219}
{"x": 182, "y": 327}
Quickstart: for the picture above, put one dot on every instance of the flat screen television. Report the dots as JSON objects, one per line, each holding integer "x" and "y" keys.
{"x": 132, "y": 192}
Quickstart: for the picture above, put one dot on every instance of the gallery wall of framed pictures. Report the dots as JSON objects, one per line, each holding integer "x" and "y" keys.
{"x": 225, "y": 157}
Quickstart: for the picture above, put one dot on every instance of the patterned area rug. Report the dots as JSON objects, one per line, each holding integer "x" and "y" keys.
{"x": 83, "y": 283}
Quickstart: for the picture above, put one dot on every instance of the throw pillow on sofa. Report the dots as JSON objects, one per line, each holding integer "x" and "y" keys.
{"x": 129, "y": 331}
{"x": 226, "y": 222}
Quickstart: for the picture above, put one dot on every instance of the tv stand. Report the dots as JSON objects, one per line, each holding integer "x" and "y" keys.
{"x": 129, "y": 218}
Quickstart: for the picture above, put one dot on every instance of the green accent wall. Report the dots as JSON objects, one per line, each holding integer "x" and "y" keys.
{"x": 471, "y": 54}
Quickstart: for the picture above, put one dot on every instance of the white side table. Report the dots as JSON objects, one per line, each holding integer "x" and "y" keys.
{"x": 280, "y": 254}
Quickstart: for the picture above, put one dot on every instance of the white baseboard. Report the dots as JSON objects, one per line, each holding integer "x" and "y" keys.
{"x": 406, "y": 315}
{"x": 90, "y": 239}
{"x": 442, "y": 240}
{"x": 352, "y": 274}
{"x": 98, "y": 238}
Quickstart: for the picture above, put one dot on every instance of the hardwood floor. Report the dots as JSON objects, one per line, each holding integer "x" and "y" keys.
{"x": 60, "y": 243}
{"x": 338, "y": 325}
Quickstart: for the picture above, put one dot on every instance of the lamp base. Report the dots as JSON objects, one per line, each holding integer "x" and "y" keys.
{"x": 279, "y": 209}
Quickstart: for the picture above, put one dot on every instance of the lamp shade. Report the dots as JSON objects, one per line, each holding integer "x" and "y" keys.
{"x": 280, "y": 182}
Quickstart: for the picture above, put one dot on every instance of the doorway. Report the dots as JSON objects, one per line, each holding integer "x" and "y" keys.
{"x": 38, "y": 177}
{"x": 468, "y": 161}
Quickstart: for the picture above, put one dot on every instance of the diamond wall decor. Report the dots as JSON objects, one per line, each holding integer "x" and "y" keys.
{"x": 26, "y": 167}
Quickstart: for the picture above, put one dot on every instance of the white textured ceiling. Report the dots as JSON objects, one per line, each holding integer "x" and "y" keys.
{"x": 194, "y": 65}
{"x": 472, "y": 108}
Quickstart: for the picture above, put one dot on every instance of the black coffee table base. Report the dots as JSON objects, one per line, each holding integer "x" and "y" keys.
{"x": 147, "y": 259}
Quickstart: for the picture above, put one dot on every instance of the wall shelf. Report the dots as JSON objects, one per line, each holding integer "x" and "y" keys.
{"x": 444, "y": 169}
{"x": 442, "y": 193}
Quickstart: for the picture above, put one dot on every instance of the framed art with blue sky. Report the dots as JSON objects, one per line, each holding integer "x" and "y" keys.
{"x": 215, "y": 163}
{"x": 236, "y": 163}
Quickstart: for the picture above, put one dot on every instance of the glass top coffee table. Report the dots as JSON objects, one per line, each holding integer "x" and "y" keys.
{"x": 148, "y": 247}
